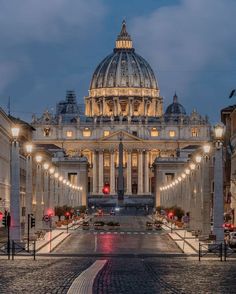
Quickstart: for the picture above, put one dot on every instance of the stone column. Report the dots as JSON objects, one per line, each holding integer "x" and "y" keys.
{"x": 28, "y": 190}
{"x": 140, "y": 172}
{"x": 233, "y": 199}
{"x": 51, "y": 192}
{"x": 83, "y": 180}
{"x": 115, "y": 109}
{"x": 46, "y": 192}
{"x": 39, "y": 192}
{"x": 129, "y": 173}
{"x": 100, "y": 172}
{"x": 103, "y": 106}
{"x": 218, "y": 205}
{"x": 15, "y": 229}
{"x": 146, "y": 172}
{"x": 95, "y": 184}
{"x": 56, "y": 195}
{"x": 118, "y": 106}
{"x": 60, "y": 194}
{"x": 112, "y": 173}
{"x": 158, "y": 184}
{"x": 206, "y": 213}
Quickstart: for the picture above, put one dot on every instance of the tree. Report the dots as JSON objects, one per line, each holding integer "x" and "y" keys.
{"x": 62, "y": 210}
{"x": 59, "y": 211}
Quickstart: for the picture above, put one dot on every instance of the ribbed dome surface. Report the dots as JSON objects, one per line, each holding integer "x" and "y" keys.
{"x": 175, "y": 108}
{"x": 123, "y": 68}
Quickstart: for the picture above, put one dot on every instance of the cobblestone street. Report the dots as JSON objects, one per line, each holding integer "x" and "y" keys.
{"x": 120, "y": 275}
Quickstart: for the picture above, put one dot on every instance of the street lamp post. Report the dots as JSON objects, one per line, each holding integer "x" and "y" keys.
{"x": 218, "y": 205}
{"x": 15, "y": 228}
{"x": 46, "y": 186}
{"x": 28, "y": 188}
{"x": 80, "y": 196}
{"x": 206, "y": 203}
{"x": 38, "y": 209}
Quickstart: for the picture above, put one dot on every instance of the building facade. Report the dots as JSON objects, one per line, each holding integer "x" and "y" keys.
{"x": 124, "y": 101}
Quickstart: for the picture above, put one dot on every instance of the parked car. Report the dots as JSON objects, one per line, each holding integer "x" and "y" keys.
{"x": 232, "y": 239}
{"x": 98, "y": 224}
{"x": 112, "y": 212}
{"x": 228, "y": 227}
{"x": 149, "y": 225}
{"x": 85, "y": 225}
{"x": 157, "y": 225}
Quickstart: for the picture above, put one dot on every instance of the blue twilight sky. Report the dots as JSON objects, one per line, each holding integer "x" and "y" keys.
{"x": 50, "y": 46}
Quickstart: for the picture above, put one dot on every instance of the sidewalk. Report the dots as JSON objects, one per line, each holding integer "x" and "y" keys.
{"x": 184, "y": 239}
{"x": 51, "y": 241}
{"x": 187, "y": 243}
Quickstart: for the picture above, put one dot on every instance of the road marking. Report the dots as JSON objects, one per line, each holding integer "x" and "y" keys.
{"x": 142, "y": 233}
{"x": 95, "y": 243}
{"x": 136, "y": 233}
{"x": 83, "y": 284}
{"x": 121, "y": 232}
{"x": 129, "y": 233}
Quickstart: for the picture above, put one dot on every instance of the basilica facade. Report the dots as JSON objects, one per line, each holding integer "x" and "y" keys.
{"x": 124, "y": 103}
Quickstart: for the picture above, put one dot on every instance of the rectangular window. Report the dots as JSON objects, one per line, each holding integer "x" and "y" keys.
{"x": 106, "y": 133}
{"x": 172, "y": 134}
{"x": 134, "y": 160}
{"x": 154, "y": 132}
{"x": 194, "y": 132}
{"x": 86, "y": 132}
{"x": 69, "y": 134}
{"x": 169, "y": 177}
{"x": 72, "y": 178}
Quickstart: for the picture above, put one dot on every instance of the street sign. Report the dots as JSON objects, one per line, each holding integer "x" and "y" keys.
{"x": 46, "y": 218}
{"x": 186, "y": 219}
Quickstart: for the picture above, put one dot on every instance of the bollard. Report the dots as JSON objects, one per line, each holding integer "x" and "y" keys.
{"x": 199, "y": 252}
{"x": 13, "y": 250}
{"x": 34, "y": 248}
{"x": 221, "y": 252}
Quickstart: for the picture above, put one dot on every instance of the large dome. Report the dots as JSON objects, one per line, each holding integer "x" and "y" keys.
{"x": 123, "y": 84}
{"x": 175, "y": 108}
{"x": 123, "y": 68}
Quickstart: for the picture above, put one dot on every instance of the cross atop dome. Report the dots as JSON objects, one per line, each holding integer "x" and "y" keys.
{"x": 123, "y": 40}
{"x": 175, "y": 98}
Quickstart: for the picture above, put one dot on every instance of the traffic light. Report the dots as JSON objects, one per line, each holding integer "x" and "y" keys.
{"x": 106, "y": 189}
{"x": 67, "y": 215}
{"x": 171, "y": 215}
{"x": 32, "y": 222}
{"x": 4, "y": 221}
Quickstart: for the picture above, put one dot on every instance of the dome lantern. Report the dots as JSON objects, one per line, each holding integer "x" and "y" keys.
{"x": 123, "y": 40}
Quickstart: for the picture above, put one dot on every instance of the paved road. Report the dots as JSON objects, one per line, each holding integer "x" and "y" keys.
{"x": 121, "y": 275}
{"x": 131, "y": 238}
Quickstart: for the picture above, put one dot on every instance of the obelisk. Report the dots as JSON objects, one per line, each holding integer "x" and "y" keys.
{"x": 120, "y": 172}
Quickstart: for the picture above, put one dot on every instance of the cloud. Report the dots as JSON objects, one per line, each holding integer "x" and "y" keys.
{"x": 28, "y": 27}
{"x": 8, "y": 71}
{"x": 189, "y": 42}
{"x": 48, "y": 20}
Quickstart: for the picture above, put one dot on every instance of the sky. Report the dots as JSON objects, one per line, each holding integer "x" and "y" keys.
{"x": 50, "y": 46}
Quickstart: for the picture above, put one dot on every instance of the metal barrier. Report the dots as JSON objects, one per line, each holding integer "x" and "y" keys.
{"x": 5, "y": 249}
{"x": 19, "y": 248}
{"x": 228, "y": 252}
{"x": 210, "y": 249}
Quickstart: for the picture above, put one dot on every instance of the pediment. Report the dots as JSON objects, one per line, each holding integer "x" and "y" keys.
{"x": 117, "y": 135}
